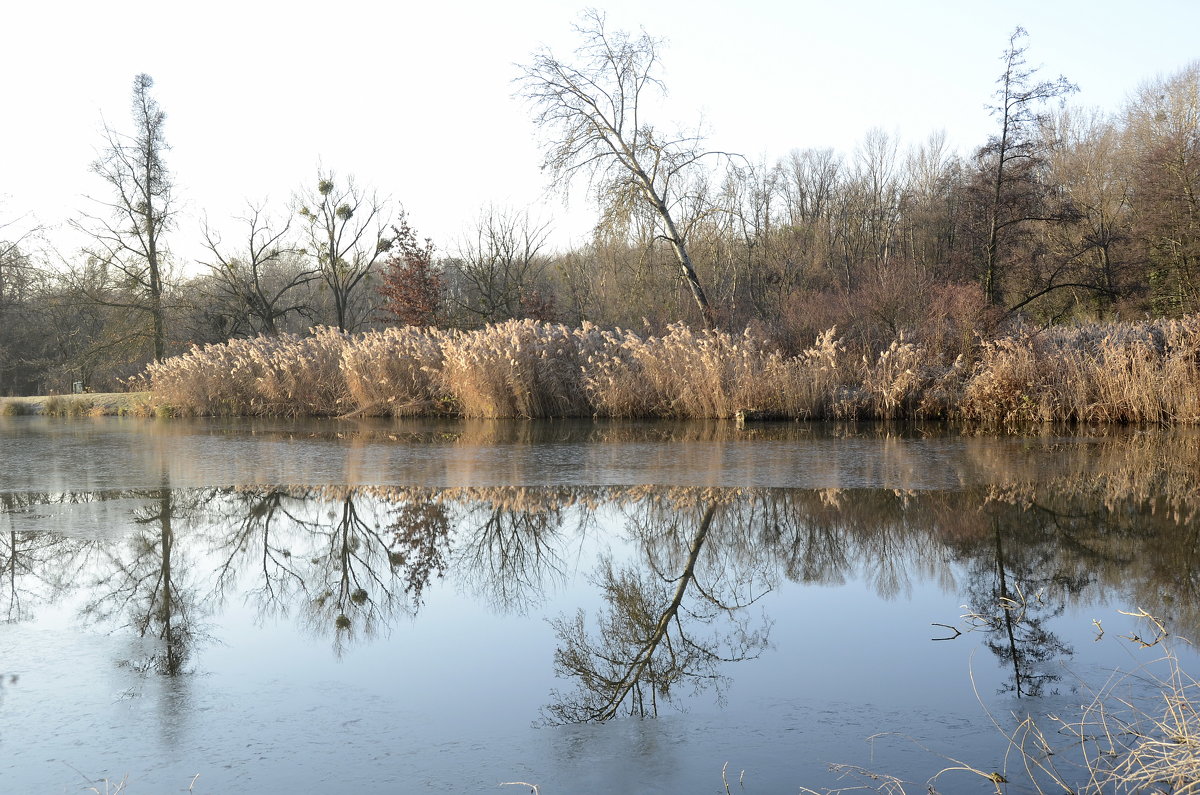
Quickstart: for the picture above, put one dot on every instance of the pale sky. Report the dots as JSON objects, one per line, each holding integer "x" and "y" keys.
{"x": 415, "y": 99}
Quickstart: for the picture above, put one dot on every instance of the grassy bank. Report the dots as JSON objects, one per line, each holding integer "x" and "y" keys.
{"x": 1146, "y": 372}
{"x": 99, "y": 404}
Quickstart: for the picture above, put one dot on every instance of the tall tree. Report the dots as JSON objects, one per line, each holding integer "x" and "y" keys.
{"x": 346, "y": 230}
{"x": 16, "y": 280}
{"x": 128, "y": 238}
{"x": 1011, "y": 156}
{"x": 594, "y": 113}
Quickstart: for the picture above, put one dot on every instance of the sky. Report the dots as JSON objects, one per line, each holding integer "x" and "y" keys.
{"x": 415, "y": 101}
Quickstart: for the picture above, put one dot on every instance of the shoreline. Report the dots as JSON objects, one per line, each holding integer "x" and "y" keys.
{"x": 87, "y": 404}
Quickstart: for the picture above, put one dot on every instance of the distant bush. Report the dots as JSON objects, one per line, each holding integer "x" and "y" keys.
{"x": 63, "y": 406}
{"x": 14, "y": 408}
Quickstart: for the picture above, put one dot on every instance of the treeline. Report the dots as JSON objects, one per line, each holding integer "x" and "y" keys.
{"x": 1063, "y": 215}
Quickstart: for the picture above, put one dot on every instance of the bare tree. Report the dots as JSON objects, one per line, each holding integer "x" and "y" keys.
{"x": 1013, "y": 153}
{"x": 499, "y": 265}
{"x": 1163, "y": 142}
{"x": 593, "y": 113}
{"x": 128, "y": 238}
{"x": 260, "y": 282}
{"x": 346, "y": 229}
{"x": 16, "y": 276}
{"x": 13, "y": 260}
{"x": 1095, "y": 254}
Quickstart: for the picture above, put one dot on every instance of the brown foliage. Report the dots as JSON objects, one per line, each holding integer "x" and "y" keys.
{"x": 413, "y": 285}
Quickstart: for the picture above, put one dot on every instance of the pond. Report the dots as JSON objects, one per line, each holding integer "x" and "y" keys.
{"x": 254, "y": 606}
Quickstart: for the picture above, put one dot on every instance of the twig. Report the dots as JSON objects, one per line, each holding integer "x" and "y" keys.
{"x": 955, "y": 630}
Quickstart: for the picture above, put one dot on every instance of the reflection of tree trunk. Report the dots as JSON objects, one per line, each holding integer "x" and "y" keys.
{"x": 642, "y": 659}
{"x": 174, "y": 661}
{"x": 1006, "y": 605}
{"x": 672, "y": 610}
{"x": 11, "y": 575}
{"x": 642, "y": 649}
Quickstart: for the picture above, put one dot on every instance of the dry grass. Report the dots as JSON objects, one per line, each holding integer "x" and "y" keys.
{"x": 99, "y": 404}
{"x": 519, "y": 368}
{"x": 16, "y": 407}
{"x": 1145, "y": 372}
{"x": 690, "y": 374}
{"x": 1124, "y": 373}
{"x": 394, "y": 372}
{"x": 1128, "y": 743}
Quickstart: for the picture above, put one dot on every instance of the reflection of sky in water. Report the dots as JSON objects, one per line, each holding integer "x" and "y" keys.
{"x": 444, "y": 701}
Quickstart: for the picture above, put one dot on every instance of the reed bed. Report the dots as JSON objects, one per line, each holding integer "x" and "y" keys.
{"x": 1131, "y": 373}
{"x": 394, "y": 372}
{"x": 1146, "y": 372}
{"x": 521, "y": 368}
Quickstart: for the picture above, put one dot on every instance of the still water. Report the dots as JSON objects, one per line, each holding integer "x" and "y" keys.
{"x": 248, "y": 606}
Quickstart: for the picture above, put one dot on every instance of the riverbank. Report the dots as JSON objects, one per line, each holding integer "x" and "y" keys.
{"x": 98, "y": 404}
{"x": 1132, "y": 373}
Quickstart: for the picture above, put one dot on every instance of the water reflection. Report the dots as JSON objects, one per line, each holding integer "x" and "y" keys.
{"x": 145, "y": 581}
{"x": 679, "y": 568}
{"x": 343, "y": 560}
{"x": 31, "y": 561}
{"x": 648, "y": 637}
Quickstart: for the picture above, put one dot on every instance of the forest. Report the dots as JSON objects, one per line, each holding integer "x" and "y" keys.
{"x": 1064, "y": 216}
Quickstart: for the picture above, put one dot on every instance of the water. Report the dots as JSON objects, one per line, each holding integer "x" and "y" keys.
{"x": 389, "y": 607}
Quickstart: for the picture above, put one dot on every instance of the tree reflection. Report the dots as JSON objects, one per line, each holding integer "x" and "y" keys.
{"x": 245, "y": 531}
{"x": 647, "y": 642}
{"x": 420, "y": 542}
{"x": 144, "y": 580}
{"x": 509, "y": 538}
{"x": 34, "y": 565}
{"x": 352, "y": 582}
{"x": 348, "y": 561}
{"x": 348, "y": 556}
{"x": 1015, "y": 591}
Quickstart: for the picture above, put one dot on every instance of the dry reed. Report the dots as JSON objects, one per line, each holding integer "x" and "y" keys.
{"x": 1145, "y": 372}
{"x": 1124, "y": 373}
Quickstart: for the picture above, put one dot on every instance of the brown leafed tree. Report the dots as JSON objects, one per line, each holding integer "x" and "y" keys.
{"x": 412, "y": 284}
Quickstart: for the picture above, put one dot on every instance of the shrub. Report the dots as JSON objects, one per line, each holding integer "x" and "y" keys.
{"x": 14, "y": 408}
